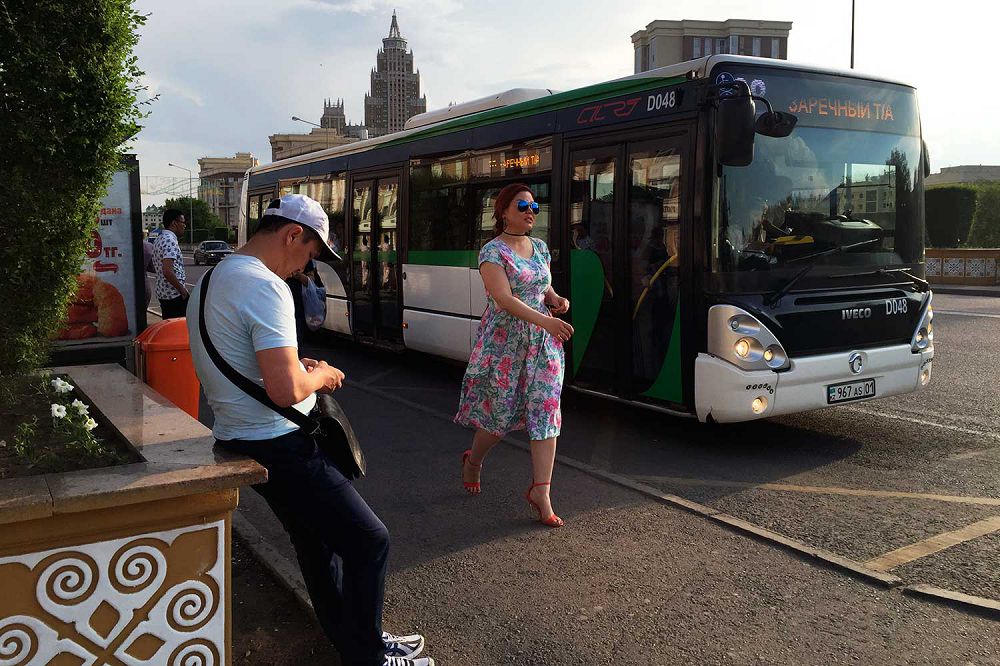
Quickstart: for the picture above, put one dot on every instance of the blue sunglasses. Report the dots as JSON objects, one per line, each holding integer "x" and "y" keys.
{"x": 523, "y": 205}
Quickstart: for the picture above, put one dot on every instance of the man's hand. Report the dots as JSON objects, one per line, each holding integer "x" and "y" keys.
{"x": 334, "y": 377}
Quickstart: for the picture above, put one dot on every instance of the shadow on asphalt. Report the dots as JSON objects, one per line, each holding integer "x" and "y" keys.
{"x": 612, "y": 436}
{"x": 414, "y": 457}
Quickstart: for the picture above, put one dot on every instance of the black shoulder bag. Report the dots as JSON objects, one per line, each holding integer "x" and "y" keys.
{"x": 327, "y": 423}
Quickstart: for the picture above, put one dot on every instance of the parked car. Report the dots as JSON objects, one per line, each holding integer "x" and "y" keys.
{"x": 211, "y": 252}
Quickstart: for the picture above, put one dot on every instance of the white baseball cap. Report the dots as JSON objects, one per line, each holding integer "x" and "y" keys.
{"x": 302, "y": 210}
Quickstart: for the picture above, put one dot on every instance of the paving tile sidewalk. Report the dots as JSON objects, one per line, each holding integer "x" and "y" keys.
{"x": 628, "y": 580}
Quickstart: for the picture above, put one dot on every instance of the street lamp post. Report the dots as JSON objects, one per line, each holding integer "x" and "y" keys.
{"x": 852, "y": 34}
{"x": 326, "y": 135}
{"x": 190, "y": 199}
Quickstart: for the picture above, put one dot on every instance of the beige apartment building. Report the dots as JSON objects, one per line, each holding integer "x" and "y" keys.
{"x": 320, "y": 138}
{"x": 221, "y": 182}
{"x": 965, "y": 173}
{"x": 664, "y": 43}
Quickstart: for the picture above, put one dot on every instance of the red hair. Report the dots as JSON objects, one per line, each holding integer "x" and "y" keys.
{"x": 504, "y": 197}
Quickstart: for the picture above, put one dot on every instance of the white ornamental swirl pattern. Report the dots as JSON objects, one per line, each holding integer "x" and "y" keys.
{"x": 195, "y": 653}
{"x": 18, "y": 644}
{"x": 68, "y": 579}
{"x": 192, "y": 606}
{"x": 156, "y": 598}
{"x": 137, "y": 566}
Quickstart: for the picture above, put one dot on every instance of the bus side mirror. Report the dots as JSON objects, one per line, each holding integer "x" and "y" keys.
{"x": 776, "y": 124}
{"x": 734, "y": 130}
{"x": 926, "y": 158}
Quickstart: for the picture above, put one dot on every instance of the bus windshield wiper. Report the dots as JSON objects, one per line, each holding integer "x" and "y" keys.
{"x": 905, "y": 272}
{"x": 785, "y": 288}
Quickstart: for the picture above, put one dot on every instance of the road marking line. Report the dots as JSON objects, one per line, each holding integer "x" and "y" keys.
{"x": 966, "y": 314}
{"x": 910, "y": 419}
{"x": 821, "y": 490}
{"x": 934, "y": 544}
{"x": 966, "y": 455}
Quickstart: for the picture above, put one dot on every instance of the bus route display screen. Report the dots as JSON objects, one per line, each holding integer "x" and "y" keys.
{"x": 823, "y": 100}
{"x": 511, "y": 161}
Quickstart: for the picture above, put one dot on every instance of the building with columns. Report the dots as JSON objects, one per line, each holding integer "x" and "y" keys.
{"x": 395, "y": 87}
{"x": 221, "y": 183}
{"x": 665, "y": 43}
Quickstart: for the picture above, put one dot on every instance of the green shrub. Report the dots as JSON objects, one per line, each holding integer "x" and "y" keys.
{"x": 985, "y": 230}
{"x": 68, "y": 85}
{"x": 949, "y": 212}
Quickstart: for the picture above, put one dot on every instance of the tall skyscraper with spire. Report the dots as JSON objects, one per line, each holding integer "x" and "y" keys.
{"x": 395, "y": 92}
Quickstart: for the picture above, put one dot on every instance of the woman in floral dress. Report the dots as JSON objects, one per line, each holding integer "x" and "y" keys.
{"x": 515, "y": 372}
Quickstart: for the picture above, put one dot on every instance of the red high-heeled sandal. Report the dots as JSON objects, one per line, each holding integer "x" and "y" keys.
{"x": 470, "y": 487}
{"x": 551, "y": 521}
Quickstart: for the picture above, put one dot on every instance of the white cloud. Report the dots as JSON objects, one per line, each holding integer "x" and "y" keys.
{"x": 231, "y": 72}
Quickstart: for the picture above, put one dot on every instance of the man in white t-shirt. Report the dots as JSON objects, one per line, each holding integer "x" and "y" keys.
{"x": 168, "y": 262}
{"x": 341, "y": 544}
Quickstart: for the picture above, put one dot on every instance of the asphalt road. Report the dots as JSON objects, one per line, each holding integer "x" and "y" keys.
{"x": 912, "y": 476}
{"x": 906, "y": 485}
{"x": 861, "y": 480}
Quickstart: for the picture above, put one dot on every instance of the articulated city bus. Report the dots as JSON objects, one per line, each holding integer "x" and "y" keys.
{"x": 739, "y": 237}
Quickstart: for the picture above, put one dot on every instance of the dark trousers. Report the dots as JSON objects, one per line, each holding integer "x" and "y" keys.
{"x": 173, "y": 308}
{"x": 342, "y": 546}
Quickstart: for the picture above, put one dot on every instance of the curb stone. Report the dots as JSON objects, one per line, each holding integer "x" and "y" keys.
{"x": 284, "y": 570}
{"x": 987, "y": 607}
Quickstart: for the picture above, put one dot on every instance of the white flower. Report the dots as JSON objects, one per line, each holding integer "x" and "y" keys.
{"x": 90, "y": 424}
{"x": 79, "y": 406}
{"x": 61, "y": 386}
{"x": 58, "y": 411}
{"x": 3, "y": 443}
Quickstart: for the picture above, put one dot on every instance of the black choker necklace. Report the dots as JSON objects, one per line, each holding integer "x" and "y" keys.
{"x": 510, "y": 234}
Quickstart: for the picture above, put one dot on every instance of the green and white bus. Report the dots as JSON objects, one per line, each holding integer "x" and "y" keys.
{"x": 739, "y": 237}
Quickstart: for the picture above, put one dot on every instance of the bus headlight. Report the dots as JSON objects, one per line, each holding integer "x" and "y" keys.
{"x": 923, "y": 339}
{"x": 925, "y": 374}
{"x": 758, "y": 405}
{"x": 775, "y": 357}
{"x": 740, "y": 338}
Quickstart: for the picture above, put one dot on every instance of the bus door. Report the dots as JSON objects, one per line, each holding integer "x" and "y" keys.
{"x": 624, "y": 220}
{"x": 376, "y": 315}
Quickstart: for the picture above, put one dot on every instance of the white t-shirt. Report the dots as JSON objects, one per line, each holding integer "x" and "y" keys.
{"x": 167, "y": 247}
{"x": 249, "y": 309}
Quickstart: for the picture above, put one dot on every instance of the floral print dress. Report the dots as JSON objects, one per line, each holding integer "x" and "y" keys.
{"x": 515, "y": 374}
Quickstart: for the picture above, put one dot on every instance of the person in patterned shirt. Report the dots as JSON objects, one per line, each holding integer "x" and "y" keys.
{"x": 169, "y": 264}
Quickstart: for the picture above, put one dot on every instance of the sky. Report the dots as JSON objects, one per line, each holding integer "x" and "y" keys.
{"x": 228, "y": 73}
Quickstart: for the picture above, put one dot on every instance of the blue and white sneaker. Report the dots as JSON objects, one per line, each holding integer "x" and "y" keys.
{"x": 403, "y": 661}
{"x": 406, "y": 647}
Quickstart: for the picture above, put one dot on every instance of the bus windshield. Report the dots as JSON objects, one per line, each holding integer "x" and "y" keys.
{"x": 848, "y": 175}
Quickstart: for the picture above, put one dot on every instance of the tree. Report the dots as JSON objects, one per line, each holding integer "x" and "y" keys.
{"x": 204, "y": 218}
{"x": 68, "y": 107}
{"x": 985, "y": 230}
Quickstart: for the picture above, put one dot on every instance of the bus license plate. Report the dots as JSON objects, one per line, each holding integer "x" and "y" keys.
{"x": 850, "y": 391}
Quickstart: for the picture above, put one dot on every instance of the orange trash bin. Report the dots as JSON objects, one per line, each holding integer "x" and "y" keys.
{"x": 164, "y": 362}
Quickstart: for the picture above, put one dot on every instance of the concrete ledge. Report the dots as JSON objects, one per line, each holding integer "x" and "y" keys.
{"x": 968, "y": 602}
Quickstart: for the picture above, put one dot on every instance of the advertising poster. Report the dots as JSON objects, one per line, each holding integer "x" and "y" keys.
{"x": 103, "y": 311}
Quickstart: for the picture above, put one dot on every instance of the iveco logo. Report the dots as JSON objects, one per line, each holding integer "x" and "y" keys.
{"x": 856, "y": 363}
{"x": 855, "y": 313}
